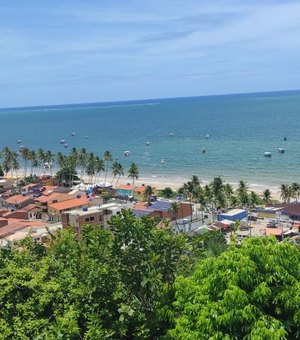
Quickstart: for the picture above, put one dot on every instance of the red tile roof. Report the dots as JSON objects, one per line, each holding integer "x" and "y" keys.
{"x": 47, "y": 198}
{"x": 69, "y": 204}
{"x": 17, "y": 224}
{"x": 17, "y": 199}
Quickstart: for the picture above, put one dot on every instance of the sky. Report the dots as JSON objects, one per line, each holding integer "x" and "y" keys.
{"x": 59, "y": 52}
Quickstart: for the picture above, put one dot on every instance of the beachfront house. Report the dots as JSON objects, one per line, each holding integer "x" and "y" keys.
{"x": 55, "y": 210}
{"x": 129, "y": 191}
{"x": 233, "y": 215}
{"x": 93, "y": 215}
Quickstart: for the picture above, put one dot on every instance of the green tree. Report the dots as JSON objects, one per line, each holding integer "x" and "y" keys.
{"x": 267, "y": 196}
{"x": 107, "y": 158}
{"x": 133, "y": 172}
{"x": 167, "y": 192}
{"x": 248, "y": 292}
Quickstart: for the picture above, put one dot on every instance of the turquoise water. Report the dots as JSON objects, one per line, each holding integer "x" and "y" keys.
{"x": 241, "y": 128}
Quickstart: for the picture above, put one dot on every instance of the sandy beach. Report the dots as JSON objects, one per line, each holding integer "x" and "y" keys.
{"x": 174, "y": 183}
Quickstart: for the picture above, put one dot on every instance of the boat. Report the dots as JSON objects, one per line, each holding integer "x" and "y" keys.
{"x": 284, "y": 138}
{"x": 62, "y": 141}
{"x": 86, "y": 137}
{"x": 281, "y": 150}
{"x": 47, "y": 165}
{"x": 162, "y": 161}
{"x": 207, "y": 136}
{"x": 203, "y": 150}
{"x": 65, "y": 145}
{"x": 147, "y": 143}
{"x": 126, "y": 153}
{"x": 267, "y": 154}
{"x": 21, "y": 146}
{"x": 171, "y": 134}
{"x": 19, "y": 141}
{"x": 73, "y": 134}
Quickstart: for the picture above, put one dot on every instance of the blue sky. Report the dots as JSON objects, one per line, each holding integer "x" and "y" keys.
{"x": 63, "y": 51}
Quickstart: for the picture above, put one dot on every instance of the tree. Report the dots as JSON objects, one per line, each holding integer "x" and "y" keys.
{"x": 248, "y": 292}
{"x": 167, "y": 192}
{"x": 116, "y": 284}
{"x": 107, "y": 158}
{"x": 117, "y": 170}
{"x": 133, "y": 173}
{"x": 295, "y": 190}
{"x": 149, "y": 191}
{"x": 1, "y": 172}
{"x": 267, "y": 196}
{"x": 254, "y": 199}
{"x": 285, "y": 193}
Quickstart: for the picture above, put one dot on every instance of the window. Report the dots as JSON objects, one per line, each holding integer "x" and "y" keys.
{"x": 87, "y": 219}
{"x": 92, "y": 218}
{"x": 100, "y": 218}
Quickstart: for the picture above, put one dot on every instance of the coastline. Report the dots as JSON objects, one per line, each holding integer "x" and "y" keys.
{"x": 173, "y": 182}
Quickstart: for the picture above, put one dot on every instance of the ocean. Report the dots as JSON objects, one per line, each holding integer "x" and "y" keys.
{"x": 241, "y": 128}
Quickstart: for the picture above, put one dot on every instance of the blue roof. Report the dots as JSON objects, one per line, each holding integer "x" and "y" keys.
{"x": 140, "y": 213}
{"x": 161, "y": 206}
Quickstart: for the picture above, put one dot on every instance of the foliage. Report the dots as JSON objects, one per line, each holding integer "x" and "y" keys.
{"x": 251, "y": 292}
{"x": 114, "y": 284}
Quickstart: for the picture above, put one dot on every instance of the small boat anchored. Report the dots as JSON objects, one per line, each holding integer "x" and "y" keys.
{"x": 207, "y": 136}
{"x": 73, "y": 134}
{"x": 126, "y": 153}
{"x": 171, "y": 134}
{"x": 162, "y": 161}
{"x": 203, "y": 150}
{"x": 65, "y": 145}
{"x": 19, "y": 141}
{"x": 268, "y": 154}
{"x": 62, "y": 141}
{"x": 281, "y": 150}
{"x": 147, "y": 143}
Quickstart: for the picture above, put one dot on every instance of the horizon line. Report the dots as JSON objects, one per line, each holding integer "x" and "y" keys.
{"x": 144, "y": 99}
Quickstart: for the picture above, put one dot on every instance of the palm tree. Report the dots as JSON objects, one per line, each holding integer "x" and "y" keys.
{"x": 26, "y": 155}
{"x": 49, "y": 158}
{"x": 267, "y": 196}
{"x": 254, "y": 199}
{"x": 243, "y": 194}
{"x": 99, "y": 167}
{"x": 133, "y": 173}
{"x": 174, "y": 208}
{"x": 107, "y": 158}
{"x": 82, "y": 161}
{"x": 285, "y": 193}
{"x": 148, "y": 193}
{"x": 295, "y": 188}
{"x": 119, "y": 172}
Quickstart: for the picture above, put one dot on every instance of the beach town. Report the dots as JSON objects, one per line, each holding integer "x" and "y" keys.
{"x": 89, "y": 190}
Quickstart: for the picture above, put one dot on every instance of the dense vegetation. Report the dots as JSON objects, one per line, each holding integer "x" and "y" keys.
{"x": 139, "y": 282}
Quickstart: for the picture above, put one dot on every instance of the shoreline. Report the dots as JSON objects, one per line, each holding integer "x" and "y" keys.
{"x": 173, "y": 182}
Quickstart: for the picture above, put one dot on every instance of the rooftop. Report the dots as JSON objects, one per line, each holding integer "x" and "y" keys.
{"x": 234, "y": 212}
{"x": 69, "y": 204}
{"x": 15, "y": 224}
{"x": 17, "y": 199}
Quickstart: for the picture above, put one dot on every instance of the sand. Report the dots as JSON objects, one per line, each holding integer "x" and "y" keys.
{"x": 175, "y": 184}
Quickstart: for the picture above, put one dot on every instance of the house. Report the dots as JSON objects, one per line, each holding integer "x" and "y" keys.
{"x": 42, "y": 203}
{"x": 233, "y": 215}
{"x": 56, "y": 209}
{"x": 128, "y": 190}
{"x": 162, "y": 210}
{"x": 25, "y": 213}
{"x": 18, "y": 201}
{"x": 12, "y": 225}
{"x": 93, "y": 215}
{"x": 5, "y": 185}
{"x": 292, "y": 211}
